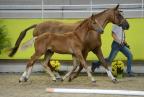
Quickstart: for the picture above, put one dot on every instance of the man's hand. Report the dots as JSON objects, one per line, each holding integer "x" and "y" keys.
{"x": 126, "y": 44}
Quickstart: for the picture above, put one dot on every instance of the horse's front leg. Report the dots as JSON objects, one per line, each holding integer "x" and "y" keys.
{"x": 99, "y": 54}
{"x": 47, "y": 57}
{"x": 75, "y": 75}
{"x": 75, "y": 64}
{"x": 83, "y": 63}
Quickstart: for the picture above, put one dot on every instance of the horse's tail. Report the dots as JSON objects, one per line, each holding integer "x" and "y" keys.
{"x": 28, "y": 44}
{"x": 20, "y": 38}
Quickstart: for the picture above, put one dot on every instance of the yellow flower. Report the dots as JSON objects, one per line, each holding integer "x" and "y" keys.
{"x": 52, "y": 63}
{"x": 117, "y": 66}
{"x": 55, "y": 64}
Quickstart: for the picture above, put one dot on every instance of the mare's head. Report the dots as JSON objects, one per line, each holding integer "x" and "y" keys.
{"x": 94, "y": 25}
{"x": 117, "y": 18}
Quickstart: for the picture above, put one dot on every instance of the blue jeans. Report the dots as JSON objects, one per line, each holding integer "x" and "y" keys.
{"x": 115, "y": 48}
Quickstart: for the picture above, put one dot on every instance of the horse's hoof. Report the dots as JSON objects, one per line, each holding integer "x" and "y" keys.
{"x": 20, "y": 81}
{"x": 25, "y": 79}
{"x": 114, "y": 81}
{"x": 94, "y": 81}
{"x": 70, "y": 79}
{"x": 59, "y": 79}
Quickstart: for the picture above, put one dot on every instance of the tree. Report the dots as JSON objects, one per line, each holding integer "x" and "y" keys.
{"x": 4, "y": 40}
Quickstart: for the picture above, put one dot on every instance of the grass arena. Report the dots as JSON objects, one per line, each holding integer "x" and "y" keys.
{"x": 15, "y": 79}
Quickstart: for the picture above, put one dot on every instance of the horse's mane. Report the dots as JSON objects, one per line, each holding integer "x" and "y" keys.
{"x": 98, "y": 14}
{"x": 85, "y": 20}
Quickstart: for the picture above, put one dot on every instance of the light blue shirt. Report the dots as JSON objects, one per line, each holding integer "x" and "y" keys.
{"x": 118, "y": 31}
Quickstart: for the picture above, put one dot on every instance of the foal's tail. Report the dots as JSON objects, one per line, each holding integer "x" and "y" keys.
{"x": 20, "y": 38}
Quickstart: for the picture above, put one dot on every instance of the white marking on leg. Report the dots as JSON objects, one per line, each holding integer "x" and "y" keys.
{"x": 88, "y": 72}
{"x": 29, "y": 72}
{"x": 23, "y": 76}
{"x": 90, "y": 75}
{"x": 26, "y": 74}
{"x": 110, "y": 74}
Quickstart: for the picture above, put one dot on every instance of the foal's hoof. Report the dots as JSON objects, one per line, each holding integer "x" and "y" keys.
{"x": 114, "y": 81}
{"x": 54, "y": 80}
{"x": 23, "y": 80}
{"x": 60, "y": 79}
{"x": 20, "y": 81}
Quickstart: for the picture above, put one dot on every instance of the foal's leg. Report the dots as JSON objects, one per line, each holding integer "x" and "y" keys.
{"x": 99, "y": 54}
{"x": 73, "y": 69}
{"x": 56, "y": 73}
{"x": 74, "y": 75}
{"x": 29, "y": 66}
{"x": 47, "y": 57}
{"x": 83, "y": 63}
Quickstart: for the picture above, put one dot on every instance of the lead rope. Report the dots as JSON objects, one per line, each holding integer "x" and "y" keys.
{"x": 123, "y": 36}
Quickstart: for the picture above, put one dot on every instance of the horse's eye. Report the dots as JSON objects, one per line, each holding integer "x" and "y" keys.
{"x": 119, "y": 16}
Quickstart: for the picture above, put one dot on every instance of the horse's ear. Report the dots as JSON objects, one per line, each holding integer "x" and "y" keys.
{"x": 116, "y": 8}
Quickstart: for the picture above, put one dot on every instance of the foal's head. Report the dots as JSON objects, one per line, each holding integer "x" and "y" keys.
{"x": 117, "y": 18}
{"x": 93, "y": 24}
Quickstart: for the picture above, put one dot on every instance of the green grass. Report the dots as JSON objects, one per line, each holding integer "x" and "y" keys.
{"x": 134, "y": 37}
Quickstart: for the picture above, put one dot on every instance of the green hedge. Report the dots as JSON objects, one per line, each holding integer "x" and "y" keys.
{"x": 134, "y": 36}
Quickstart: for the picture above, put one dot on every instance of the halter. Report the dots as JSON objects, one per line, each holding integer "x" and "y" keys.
{"x": 121, "y": 20}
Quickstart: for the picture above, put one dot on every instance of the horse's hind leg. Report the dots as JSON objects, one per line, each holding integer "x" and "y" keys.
{"x": 47, "y": 57}
{"x": 75, "y": 64}
{"x": 29, "y": 67}
{"x": 99, "y": 54}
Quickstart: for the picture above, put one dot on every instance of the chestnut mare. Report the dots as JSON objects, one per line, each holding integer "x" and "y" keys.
{"x": 67, "y": 43}
{"x": 112, "y": 15}
{"x": 93, "y": 40}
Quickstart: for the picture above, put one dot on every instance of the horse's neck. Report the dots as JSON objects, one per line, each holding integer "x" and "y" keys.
{"x": 103, "y": 20}
{"x": 81, "y": 32}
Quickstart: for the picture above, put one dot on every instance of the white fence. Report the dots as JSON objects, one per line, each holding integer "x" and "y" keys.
{"x": 67, "y": 8}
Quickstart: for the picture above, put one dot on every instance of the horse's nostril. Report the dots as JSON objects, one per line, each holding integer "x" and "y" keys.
{"x": 126, "y": 26}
